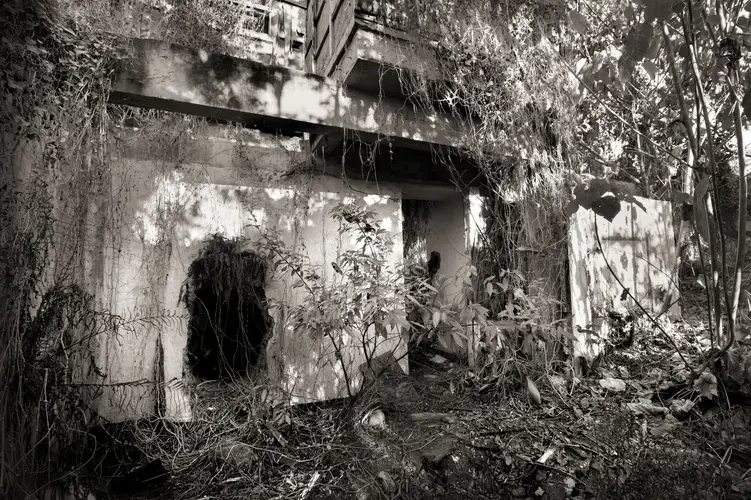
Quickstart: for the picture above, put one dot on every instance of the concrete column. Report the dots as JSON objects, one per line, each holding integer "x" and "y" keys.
{"x": 447, "y": 235}
{"x": 474, "y": 233}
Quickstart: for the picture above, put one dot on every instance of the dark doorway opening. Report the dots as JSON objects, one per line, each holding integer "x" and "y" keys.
{"x": 229, "y": 322}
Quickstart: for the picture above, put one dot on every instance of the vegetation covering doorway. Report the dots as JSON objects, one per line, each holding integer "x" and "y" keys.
{"x": 229, "y": 322}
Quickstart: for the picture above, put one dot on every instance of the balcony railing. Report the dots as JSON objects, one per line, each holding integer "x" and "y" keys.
{"x": 268, "y": 31}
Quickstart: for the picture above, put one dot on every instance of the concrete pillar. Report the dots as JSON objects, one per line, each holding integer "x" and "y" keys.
{"x": 446, "y": 235}
{"x": 474, "y": 232}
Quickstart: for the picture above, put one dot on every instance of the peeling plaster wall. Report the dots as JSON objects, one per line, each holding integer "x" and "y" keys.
{"x": 165, "y": 213}
{"x": 638, "y": 244}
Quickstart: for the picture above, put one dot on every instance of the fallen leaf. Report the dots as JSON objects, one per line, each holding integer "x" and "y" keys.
{"x": 681, "y": 407}
{"x": 646, "y": 409}
{"x": 534, "y": 394}
{"x": 539, "y": 492}
{"x": 388, "y": 482}
{"x": 613, "y": 384}
{"x": 545, "y": 456}
{"x": 706, "y": 385}
{"x": 559, "y": 383}
{"x": 666, "y": 426}
{"x": 438, "y": 359}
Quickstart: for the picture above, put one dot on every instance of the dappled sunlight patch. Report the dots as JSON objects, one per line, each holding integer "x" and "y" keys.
{"x": 278, "y": 194}
{"x": 161, "y": 208}
{"x": 375, "y": 199}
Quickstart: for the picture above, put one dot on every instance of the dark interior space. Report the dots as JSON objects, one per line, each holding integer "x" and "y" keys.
{"x": 225, "y": 335}
{"x": 228, "y": 319}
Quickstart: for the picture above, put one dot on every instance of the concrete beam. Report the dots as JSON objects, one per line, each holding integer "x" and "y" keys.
{"x": 179, "y": 79}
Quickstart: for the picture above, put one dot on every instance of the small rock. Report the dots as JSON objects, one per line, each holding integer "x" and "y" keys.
{"x": 375, "y": 418}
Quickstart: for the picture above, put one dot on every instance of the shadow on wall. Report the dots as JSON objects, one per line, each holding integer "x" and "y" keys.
{"x": 174, "y": 78}
{"x": 639, "y": 247}
{"x": 165, "y": 215}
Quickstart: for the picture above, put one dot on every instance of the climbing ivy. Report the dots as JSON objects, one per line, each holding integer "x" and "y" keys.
{"x": 54, "y": 79}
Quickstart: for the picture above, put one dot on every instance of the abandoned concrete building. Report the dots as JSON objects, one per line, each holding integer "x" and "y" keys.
{"x": 316, "y": 86}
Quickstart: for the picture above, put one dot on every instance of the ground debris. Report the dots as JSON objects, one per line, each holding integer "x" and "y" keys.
{"x": 433, "y": 417}
{"x": 586, "y": 441}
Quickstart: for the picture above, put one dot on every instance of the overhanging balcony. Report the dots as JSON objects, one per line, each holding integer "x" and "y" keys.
{"x": 359, "y": 43}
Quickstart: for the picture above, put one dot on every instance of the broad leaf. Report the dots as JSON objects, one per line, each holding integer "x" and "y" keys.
{"x": 534, "y": 394}
{"x": 654, "y": 48}
{"x": 637, "y": 42}
{"x": 706, "y": 385}
{"x": 607, "y": 207}
{"x": 457, "y": 338}
{"x": 650, "y": 68}
{"x": 436, "y": 319}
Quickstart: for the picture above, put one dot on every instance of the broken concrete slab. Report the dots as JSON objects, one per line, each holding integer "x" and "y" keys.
{"x": 169, "y": 77}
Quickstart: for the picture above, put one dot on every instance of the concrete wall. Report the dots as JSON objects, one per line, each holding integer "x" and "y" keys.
{"x": 162, "y": 211}
{"x": 639, "y": 246}
{"x": 446, "y": 234}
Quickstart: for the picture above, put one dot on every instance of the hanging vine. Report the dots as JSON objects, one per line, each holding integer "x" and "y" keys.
{"x": 54, "y": 79}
